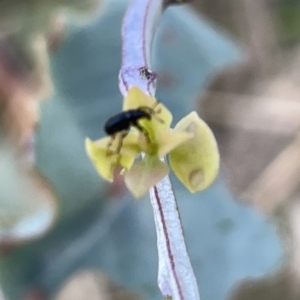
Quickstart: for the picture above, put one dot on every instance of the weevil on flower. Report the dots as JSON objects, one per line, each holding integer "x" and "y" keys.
{"x": 191, "y": 147}
{"x": 121, "y": 123}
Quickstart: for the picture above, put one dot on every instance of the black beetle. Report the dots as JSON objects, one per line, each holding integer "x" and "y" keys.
{"x": 121, "y": 123}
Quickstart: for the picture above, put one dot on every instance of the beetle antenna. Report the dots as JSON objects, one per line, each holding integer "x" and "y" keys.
{"x": 152, "y": 112}
{"x": 157, "y": 102}
{"x": 158, "y": 119}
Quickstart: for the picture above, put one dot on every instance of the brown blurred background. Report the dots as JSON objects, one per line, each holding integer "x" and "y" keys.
{"x": 254, "y": 109}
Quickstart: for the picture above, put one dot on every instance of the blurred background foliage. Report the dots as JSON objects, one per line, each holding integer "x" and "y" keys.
{"x": 65, "y": 234}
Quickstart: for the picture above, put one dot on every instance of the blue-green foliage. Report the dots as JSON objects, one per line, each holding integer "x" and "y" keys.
{"x": 227, "y": 241}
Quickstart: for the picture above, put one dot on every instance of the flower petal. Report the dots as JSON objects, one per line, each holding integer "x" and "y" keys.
{"x": 196, "y": 162}
{"x": 97, "y": 155}
{"x": 145, "y": 174}
{"x": 130, "y": 144}
{"x": 170, "y": 139}
{"x": 106, "y": 161}
{"x": 136, "y": 98}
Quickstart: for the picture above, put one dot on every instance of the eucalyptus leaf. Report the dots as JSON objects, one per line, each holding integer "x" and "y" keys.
{"x": 227, "y": 241}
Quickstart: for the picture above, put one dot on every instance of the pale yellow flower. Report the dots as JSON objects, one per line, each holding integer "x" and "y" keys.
{"x": 195, "y": 162}
{"x": 191, "y": 146}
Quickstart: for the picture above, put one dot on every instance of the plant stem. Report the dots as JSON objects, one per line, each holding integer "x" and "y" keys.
{"x": 176, "y": 278}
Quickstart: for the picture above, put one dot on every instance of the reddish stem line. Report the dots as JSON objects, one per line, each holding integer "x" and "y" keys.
{"x": 166, "y": 234}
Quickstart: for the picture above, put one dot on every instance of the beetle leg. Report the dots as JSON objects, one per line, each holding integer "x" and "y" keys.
{"x": 112, "y": 138}
{"x": 143, "y": 130}
{"x": 122, "y": 137}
